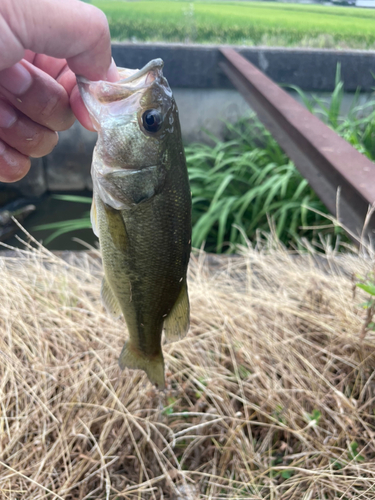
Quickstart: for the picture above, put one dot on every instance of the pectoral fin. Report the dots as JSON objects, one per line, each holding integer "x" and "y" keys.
{"x": 115, "y": 227}
{"x": 94, "y": 218}
{"x": 109, "y": 300}
{"x": 176, "y": 324}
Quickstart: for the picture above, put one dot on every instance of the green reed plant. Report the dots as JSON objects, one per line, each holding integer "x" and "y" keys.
{"x": 66, "y": 226}
{"x": 240, "y": 184}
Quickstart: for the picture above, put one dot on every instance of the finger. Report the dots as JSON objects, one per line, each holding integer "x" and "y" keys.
{"x": 37, "y": 95}
{"x": 50, "y": 65}
{"x": 29, "y": 55}
{"x": 79, "y": 109}
{"x": 13, "y": 165}
{"x": 67, "y": 79}
{"x": 24, "y": 135}
{"x": 71, "y": 30}
{"x": 58, "y": 69}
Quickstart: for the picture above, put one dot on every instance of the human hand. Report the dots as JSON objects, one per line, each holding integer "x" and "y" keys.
{"x": 43, "y": 45}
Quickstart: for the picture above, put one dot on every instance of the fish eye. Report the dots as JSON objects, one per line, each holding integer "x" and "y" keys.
{"x": 152, "y": 120}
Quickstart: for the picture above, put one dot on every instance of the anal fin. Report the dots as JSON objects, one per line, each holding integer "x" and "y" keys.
{"x": 154, "y": 367}
{"x": 109, "y": 300}
{"x": 176, "y": 324}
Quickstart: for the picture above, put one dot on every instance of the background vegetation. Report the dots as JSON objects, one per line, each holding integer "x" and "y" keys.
{"x": 250, "y": 23}
{"x": 246, "y": 185}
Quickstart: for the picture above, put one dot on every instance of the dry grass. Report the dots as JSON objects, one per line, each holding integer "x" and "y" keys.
{"x": 265, "y": 398}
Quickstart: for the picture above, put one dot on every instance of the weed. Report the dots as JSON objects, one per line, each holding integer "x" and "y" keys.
{"x": 367, "y": 284}
{"x": 314, "y": 417}
{"x": 353, "y": 453}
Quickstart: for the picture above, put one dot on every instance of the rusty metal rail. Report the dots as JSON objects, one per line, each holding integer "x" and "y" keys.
{"x": 326, "y": 160}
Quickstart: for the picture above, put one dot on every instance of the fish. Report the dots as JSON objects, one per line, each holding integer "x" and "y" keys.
{"x": 141, "y": 211}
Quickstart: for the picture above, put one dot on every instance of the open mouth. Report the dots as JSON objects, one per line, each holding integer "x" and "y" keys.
{"x": 150, "y": 70}
{"x": 131, "y": 81}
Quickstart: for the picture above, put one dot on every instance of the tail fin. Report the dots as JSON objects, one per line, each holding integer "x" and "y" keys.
{"x": 154, "y": 367}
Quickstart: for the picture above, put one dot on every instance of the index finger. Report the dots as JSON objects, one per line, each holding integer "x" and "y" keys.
{"x": 69, "y": 29}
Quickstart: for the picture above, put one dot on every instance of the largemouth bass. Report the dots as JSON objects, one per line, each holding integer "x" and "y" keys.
{"x": 141, "y": 210}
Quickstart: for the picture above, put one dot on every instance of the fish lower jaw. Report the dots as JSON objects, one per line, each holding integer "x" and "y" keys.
{"x": 127, "y": 170}
{"x": 155, "y": 64}
{"x": 102, "y": 170}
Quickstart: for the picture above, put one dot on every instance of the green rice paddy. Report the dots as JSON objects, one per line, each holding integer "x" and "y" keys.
{"x": 250, "y": 23}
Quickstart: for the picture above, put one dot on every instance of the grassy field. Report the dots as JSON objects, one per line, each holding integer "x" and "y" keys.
{"x": 270, "y": 396}
{"x": 251, "y": 23}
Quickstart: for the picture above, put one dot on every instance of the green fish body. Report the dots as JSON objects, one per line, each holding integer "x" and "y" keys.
{"x": 141, "y": 211}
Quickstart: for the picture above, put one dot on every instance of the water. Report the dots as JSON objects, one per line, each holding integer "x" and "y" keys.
{"x": 48, "y": 210}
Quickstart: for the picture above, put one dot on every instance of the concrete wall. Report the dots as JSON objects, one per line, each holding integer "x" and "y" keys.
{"x": 205, "y": 97}
{"x": 210, "y": 109}
{"x": 197, "y": 66}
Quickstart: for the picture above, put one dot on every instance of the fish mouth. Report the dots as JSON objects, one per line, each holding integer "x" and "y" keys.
{"x": 130, "y": 81}
{"x": 124, "y": 96}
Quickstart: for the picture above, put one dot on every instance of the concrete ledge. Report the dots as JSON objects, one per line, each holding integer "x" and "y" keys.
{"x": 196, "y": 66}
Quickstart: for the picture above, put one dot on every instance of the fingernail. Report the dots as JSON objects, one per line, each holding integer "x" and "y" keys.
{"x": 16, "y": 79}
{"x": 112, "y": 73}
{"x": 8, "y": 116}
